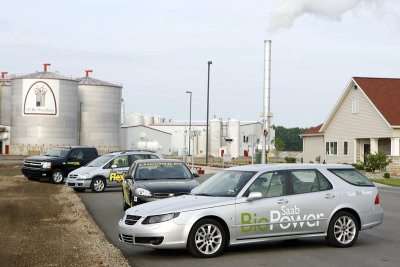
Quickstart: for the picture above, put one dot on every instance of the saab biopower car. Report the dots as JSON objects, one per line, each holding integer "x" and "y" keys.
{"x": 257, "y": 203}
{"x": 106, "y": 171}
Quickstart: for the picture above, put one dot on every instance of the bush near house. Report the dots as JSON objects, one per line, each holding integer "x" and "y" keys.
{"x": 378, "y": 161}
{"x": 290, "y": 160}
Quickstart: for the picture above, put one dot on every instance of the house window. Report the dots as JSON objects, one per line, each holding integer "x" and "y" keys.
{"x": 355, "y": 107}
{"x": 346, "y": 148}
{"x": 331, "y": 148}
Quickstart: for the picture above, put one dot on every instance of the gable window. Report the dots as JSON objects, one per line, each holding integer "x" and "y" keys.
{"x": 345, "y": 148}
{"x": 331, "y": 148}
{"x": 355, "y": 107}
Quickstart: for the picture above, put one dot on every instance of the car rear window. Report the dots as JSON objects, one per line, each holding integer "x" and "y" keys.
{"x": 352, "y": 176}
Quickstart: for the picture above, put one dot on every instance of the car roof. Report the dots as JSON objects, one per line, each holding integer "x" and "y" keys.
{"x": 283, "y": 166}
{"x": 71, "y": 147}
{"x": 131, "y": 152}
{"x": 159, "y": 160}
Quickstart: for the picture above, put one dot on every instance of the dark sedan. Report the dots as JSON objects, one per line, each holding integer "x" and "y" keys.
{"x": 149, "y": 180}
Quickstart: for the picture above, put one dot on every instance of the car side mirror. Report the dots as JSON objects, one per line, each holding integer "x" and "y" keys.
{"x": 195, "y": 173}
{"x": 254, "y": 196}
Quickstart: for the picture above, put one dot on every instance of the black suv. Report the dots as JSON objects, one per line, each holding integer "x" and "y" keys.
{"x": 57, "y": 162}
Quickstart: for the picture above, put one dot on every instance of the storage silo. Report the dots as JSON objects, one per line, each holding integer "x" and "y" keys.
{"x": 234, "y": 134}
{"x": 5, "y": 100}
{"x": 44, "y": 113}
{"x": 148, "y": 120}
{"x": 100, "y": 105}
{"x": 215, "y": 136}
{"x": 133, "y": 119}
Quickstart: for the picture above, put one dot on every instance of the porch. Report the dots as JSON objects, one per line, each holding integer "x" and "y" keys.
{"x": 390, "y": 146}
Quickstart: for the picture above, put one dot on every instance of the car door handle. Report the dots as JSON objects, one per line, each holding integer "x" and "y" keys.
{"x": 329, "y": 196}
{"x": 282, "y": 201}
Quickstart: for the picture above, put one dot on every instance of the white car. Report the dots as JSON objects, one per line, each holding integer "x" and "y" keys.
{"x": 258, "y": 203}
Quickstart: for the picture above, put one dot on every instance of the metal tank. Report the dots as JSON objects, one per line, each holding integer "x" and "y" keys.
{"x": 5, "y": 100}
{"x": 215, "y": 136}
{"x": 148, "y": 120}
{"x": 234, "y": 134}
{"x": 44, "y": 112}
{"x": 100, "y": 105}
{"x": 133, "y": 119}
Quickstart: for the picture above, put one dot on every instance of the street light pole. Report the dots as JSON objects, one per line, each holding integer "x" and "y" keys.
{"x": 208, "y": 108}
{"x": 190, "y": 117}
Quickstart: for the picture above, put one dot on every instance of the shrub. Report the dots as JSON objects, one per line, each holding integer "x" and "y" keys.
{"x": 290, "y": 160}
{"x": 377, "y": 161}
{"x": 386, "y": 175}
{"x": 359, "y": 166}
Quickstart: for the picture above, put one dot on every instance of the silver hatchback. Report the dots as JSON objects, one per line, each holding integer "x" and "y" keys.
{"x": 259, "y": 203}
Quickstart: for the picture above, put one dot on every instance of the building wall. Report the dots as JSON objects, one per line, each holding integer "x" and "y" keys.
{"x": 313, "y": 147}
{"x": 141, "y": 137}
{"x": 348, "y": 126}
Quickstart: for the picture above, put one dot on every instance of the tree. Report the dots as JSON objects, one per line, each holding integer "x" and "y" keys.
{"x": 279, "y": 144}
{"x": 377, "y": 161}
{"x": 290, "y": 137}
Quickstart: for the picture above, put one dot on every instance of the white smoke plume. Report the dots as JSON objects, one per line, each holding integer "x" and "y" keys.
{"x": 287, "y": 11}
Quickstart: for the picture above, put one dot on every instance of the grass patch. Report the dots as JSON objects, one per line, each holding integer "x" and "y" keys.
{"x": 391, "y": 181}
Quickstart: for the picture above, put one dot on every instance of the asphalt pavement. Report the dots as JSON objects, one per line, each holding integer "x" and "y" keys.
{"x": 379, "y": 246}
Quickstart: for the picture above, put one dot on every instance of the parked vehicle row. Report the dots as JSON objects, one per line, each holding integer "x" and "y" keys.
{"x": 166, "y": 207}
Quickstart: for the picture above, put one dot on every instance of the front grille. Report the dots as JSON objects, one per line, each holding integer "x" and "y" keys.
{"x": 127, "y": 238}
{"x": 32, "y": 164}
{"x": 157, "y": 240}
{"x": 165, "y": 195}
{"x": 131, "y": 219}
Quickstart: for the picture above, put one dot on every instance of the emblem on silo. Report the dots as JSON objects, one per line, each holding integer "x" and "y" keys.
{"x": 39, "y": 99}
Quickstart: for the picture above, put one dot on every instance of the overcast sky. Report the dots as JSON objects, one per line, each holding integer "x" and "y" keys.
{"x": 159, "y": 49}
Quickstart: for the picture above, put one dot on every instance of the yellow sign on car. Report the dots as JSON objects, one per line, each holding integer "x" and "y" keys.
{"x": 117, "y": 176}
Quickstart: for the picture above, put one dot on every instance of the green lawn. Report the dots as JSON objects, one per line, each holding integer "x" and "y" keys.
{"x": 390, "y": 181}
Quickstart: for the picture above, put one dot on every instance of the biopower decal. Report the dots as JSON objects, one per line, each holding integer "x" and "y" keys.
{"x": 284, "y": 218}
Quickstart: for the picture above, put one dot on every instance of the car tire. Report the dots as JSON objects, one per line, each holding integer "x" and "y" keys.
{"x": 98, "y": 184}
{"x": 79, "y": 190}
{"x": 57, "y": 177}
{"x": 207, "y": 239}
{"x": 343, "y": 230}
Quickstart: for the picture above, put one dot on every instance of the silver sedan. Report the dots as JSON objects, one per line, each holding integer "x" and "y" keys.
{"x": 259, "y": 203}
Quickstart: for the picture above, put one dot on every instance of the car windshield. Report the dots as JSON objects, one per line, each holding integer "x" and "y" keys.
{"x": 57, "y": 152}
{"x": 224, "y": 184}
{"x": 352, "y": 176}
{"x": 162, "y": 170}
{"x": 100, "y": 161}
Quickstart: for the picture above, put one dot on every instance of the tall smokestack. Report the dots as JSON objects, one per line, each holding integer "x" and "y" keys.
{"x": 265, "y": 140}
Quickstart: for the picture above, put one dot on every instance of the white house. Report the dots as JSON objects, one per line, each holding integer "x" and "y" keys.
{"x": 365, "y": 120}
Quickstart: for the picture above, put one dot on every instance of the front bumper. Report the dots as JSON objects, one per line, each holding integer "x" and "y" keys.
{"x": 166, "y": 235}
{"x": 76, "y": 183}
{"x": 36, "y": 173}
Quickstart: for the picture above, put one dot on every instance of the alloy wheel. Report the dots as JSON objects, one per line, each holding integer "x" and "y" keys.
{"x": 208, "y": 239}
{"x": 98, "y": 185}
{"x": 345, "y": 230}
{"x": 57, "y": 177}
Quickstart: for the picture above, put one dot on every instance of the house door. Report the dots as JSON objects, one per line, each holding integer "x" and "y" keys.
{"x": 367, "y": 151}
{"x": 1, "y": 147}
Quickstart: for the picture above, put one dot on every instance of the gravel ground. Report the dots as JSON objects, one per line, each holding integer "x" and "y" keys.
{"x": 42, "y": 224}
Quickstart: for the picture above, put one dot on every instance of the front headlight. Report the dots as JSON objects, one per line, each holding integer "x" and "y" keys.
{"x": 142, "y": 192}
{"x": 160, "y": 218}
{"x": 84, "y": 176}
{"x": 46, "y": 165}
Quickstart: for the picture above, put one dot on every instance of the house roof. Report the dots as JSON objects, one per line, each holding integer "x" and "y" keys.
{"x": 384, "y": 94}
{"x": 313, "y": 130}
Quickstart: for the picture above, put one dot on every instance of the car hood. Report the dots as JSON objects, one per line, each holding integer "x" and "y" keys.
{"x": 84, "y": 170}
{"x": 41, "y": 158}
{"x": 179, "y": 204}
{"x": 167, "y": 185}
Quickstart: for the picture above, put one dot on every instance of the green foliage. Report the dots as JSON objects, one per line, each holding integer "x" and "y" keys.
{"x": 290, "y": 137}
{"x": 377, "y": 161}
{"x": 386, "y": 175}
{"x": 290, "y": 160}
{"x": 279, "y": 144}
{"x": 359, "y": 166}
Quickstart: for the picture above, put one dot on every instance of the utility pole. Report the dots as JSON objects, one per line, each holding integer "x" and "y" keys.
{"x": 208, "y": 108}
{"x": 190, "y": 117}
